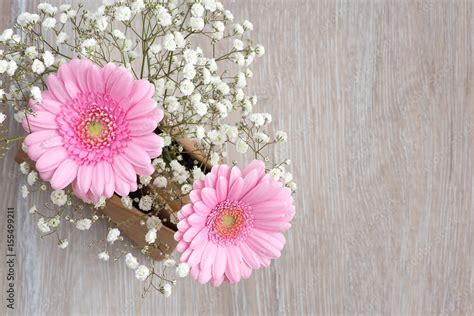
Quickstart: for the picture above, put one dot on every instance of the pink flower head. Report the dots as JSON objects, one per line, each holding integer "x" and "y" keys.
{"x": 234, "y": 223}
{"x": 94, "y": 129}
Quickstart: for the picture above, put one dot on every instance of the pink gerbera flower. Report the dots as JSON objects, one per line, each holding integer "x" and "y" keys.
{"x": 234, "y": 223}
{"x": 94, "y": 129}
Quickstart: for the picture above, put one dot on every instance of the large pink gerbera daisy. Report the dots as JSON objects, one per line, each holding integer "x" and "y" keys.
{"x": 234, "y": 223}
{"x": 94, "y": 129}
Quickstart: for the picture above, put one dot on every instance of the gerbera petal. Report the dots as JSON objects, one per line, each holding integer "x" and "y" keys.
{"x": 182, "y": 246}
{"x": 122, "y": 186}
{"x": 201, "y": 208}
{"x": 196, "y": 220}
{"x": 249, "y": 256}
{"x": 191, "y": 233}
{"x": 39, "y": 136}
{"x": 261, "y": 192}
{"x": 196, "y": 255}
{"x": 235, "y": 174}
{"x": 84, "y": 177}
{"x": 94, "y": 80}
{"x": 64, "y": 174}
{"x": 208, "y": 196}
{"x": 141, "y": 109}
{"x": 40, "y": 121}
{"x": 120, "y": 84}
{"x": 272, "y": 226}
{"x": 185, "y": 256}
{"x": 151, "y": 143}
{"x": 140, "y": 127}
{"x": 109, "y": 180}
{"x": 210, "y": 257}
{"x": 141, "y": 90}
{"x": 218, "y": 268}
{"x": 216, "y": 282}
{"x": 245, "y": 270}
{"x": 51, "y": 159}
{"x": 50, "y": 104}
{"x": 204, "y": 276}
{"x": 221, "y": 189}
{"x": 97, "y": 186}
{"x": 35, "y": 151}
{"x": 235, "y": 190}
{"x": 257, "y": 165}
{"x": 200, "y": 238}
{"x": 124, "y": 168}
{"x": 56, "y": 87}
{"x": 250, "y": 180}
{"x": 136, "y": 155}
{"x": 232, "y": 271}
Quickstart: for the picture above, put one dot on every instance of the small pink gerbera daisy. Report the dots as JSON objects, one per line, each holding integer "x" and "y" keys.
{"x": 94, "y": 129}
{"x": 234, "y": 223}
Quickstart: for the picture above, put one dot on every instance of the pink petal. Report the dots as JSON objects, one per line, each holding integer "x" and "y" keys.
{"x": 235, "y": 191}
{"x": 201, "y": 209}
{"x": 185, "y": 255}
{"x": 109, "y": 180}
{"x": 140, "y": 127}
{"x": 64, "y": 174}
{"x": 249, "y": 256}
{"x": 40, "y": 121}
{"x": 50, "y": 105}
{"x": 57, "y": 88}
{"x": 51, "y": 159}
{"x": 209, "y": 257}
{"x": 262, "y": 192}
{"x": 141, "y": 109}
{"x": 196, "y": 255}
{"x": 224, "y": 171}
{"x": 221, "y": 189}
{"x": 232, "y": 271}
{"x": 220, "y": 262}
{"x": 107, "y": 71}
{"x": 94, "y": 80}
{"x": 245, "y": 270}
{"x": 98, "y": 183}
{"x": 196, "y": 220}
{"x": 182, "y": 246}
{"x": 37, "y": 150}
{"x": 272, "y": 226}
{"x": 122, "y": 187}
{"x": 142, "y": 90}
{"x": 257, "y": 165}
{"x": 151, "y": 143}
{"x": 39, "y": 136}
{"x": 120, "y": 84}
{"x": 250, "y": 180}
{"x": 137, "y": 156}
{"x": 208, "y": 196}
{"x": 204, "y": 276}
{"x": 191, "y": 233}
{"x": 200, "y": 238}
{"x": 234, "y": 175}
{"x": 217, "y": 282}
{"x": 84, "y": 178}
{"x": 125, "y": 169}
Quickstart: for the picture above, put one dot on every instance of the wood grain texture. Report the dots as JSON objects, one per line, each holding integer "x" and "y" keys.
{"x": 378, "y": 98}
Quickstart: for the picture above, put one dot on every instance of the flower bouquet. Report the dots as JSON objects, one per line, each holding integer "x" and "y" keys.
{"x": 131, "y": 112}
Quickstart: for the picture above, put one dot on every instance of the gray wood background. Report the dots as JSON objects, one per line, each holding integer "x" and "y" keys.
{"x": 378, "y": 98}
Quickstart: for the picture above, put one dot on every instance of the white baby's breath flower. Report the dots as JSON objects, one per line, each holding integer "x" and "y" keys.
{"x": 160, "y": 182}
{"x": 63, "y": 17}
{"x": 197, "y": 10}
{"x": 33, "y": 209}
{"x": 31, "y": 52}
{"x": 179, "y": 39}
{"x": 146, "y": 203}
{"x": 47, "y": 8}
{"x": 137, "y": 6}
{"x": 113, "y": 235}
{"x": 12, "y": 67}
{"x": 150, "y": 236}
{"x": 145, "y": 180}
{"x": 24, "y": 191}
{"x": 164, "y": 18}
{"x": 248, "y": 26}
{"x": 238, "y": 44}
{"x": 59, "y": 197}
{"x": 142, "y": 273}
{"x": 6, "y": 35}
{"x": 19, "y": 116}
{"x": 118, "y": 34}
{"x": 210, "y": 5}
{"x": 63, "y": 243}
{"x": 293, "y": 187}
{"x": 186, "y": 188}
{"x": 169, "y": 42}
{"x": 238, "y": 29}
{"x": 260, "y": 50}
{"x": 36, "y": 94}
{"x": 123, "y": 13}
{"x": 101, "y": 202}
{"x": 196, "y": 24}
{"x": 127, "y": 202}
{"x": 38, "y": 67}
{"x": 131, "y": 261}
{"x": 84, "y": 224}
{"x": 166, "y": 290}
{"x": 32, "y": 177}
{"x": 25, "y": 168}
{"x": 261, "y": 138}
{"x": 198, "y": 174}
{"x": 49, "y": 23}
{"x": 182, "y": 270}
{"x": 89, "y": 43}
{"x": 61, "y": 38}
{"x": 43, "y": 226}
{"x": 104, "y": 255}
{"x": 154, "y": 222}
{"x": 27, "y": 19}
{"x": 3, "y": 66}
{"x": 200, "y": 108}
{"x": 241, "y": 146}
{"x": 275, "y": 173}
{"x": 170, "y": 262}
{"x": 48, "y": 58}
{"x": 186, "y": 87}
{"x": 54, "y": 222}
{"x": 281, "y": 137}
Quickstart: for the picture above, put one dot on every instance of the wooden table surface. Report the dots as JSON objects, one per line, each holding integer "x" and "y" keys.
{"x": 378, "y": 100}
